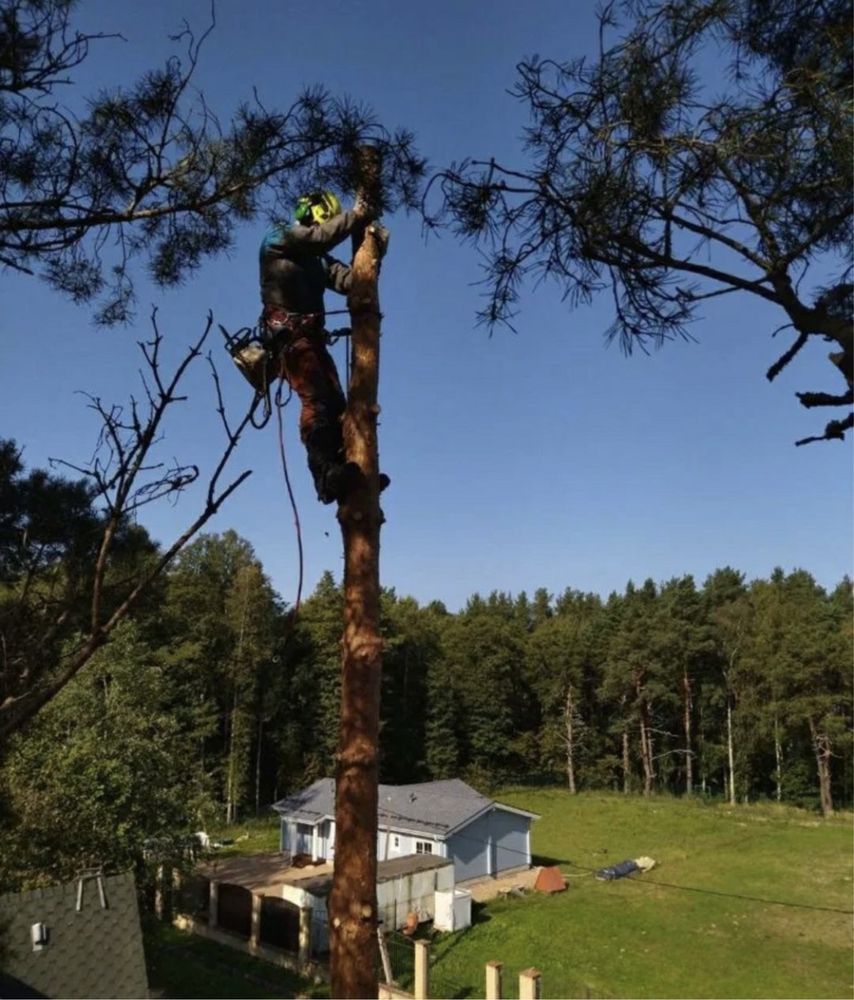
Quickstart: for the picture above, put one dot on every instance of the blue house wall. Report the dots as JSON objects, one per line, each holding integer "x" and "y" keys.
{"x": 509, "y": 840}
{"x": 469, "y": 849}
{"x": 494, "y": 842}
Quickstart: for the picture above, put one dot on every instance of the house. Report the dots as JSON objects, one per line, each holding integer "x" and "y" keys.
{"x": 80, "y": 939}
{"x": 448, "y": 819}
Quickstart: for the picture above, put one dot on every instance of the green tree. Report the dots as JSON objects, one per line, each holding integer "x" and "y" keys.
{"x": 811, "y": 674}
{"x": 221, "y": 618}
{"x": 730, "y": 614}
{"x": 686, "y": 642}
{"x": 50, "y": 535}
{"x": 564, "y": 669}
{"x": 318, "y": 632}
{"x": 100, "y": 776}
{"x": 250, "y": 612}
{"x": 411, "y": 644}
{"x": 635, "y": 679}
{"x": 664, "y": 185}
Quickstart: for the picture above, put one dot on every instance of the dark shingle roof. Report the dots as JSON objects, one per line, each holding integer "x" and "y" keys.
{"x": 436, "y": 807}
{"x": 93, "y": 952}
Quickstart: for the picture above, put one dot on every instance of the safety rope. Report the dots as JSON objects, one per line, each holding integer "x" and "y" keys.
{"x": 280, "y": 405}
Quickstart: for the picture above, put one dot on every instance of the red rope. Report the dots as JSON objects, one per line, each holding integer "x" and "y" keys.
{"x": 280, "y": 405}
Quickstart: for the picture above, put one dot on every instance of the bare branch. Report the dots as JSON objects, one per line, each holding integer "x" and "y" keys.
{"x": 124, "y": 479}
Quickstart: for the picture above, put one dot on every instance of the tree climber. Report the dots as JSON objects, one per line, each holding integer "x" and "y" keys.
{"x": 296, "y": 269}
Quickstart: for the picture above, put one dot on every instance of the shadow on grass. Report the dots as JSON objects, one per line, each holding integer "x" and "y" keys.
{"x": 544, "y": 861}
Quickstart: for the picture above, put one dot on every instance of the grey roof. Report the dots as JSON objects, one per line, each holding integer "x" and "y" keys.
{"x": 321, "y": 885}
{"x": 432, "y": 807}
{"x": 93, "y": 953}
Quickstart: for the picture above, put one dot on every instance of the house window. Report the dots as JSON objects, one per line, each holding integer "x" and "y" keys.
{"x": 397, "y": 841}
{"x": 423, "y": 846}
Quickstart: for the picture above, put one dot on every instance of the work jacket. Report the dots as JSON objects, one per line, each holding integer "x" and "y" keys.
{"x": 296, "y": 267}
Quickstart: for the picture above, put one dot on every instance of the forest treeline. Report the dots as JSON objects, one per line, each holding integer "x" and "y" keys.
{"x": 213, "y": 700}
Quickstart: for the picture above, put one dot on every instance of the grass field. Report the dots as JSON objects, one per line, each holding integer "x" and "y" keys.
{"x": 183, "y": 966}
{"x": 641, "y": 937}
{"x": 756, "y": 914}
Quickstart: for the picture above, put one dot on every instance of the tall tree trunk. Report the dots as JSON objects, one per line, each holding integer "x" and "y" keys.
{"x": 258, "y": 764}
{"x": 568, "y": 719}
{"x": 627, "y": 766}
{"x": 645, "y": 738}
{"x": 687, "y": 706}
{"x": 231, "y": 796}
{"x": 823, "y": 753}
{"x": 729, "y": 750}
{"x": 778, "y": 759}
{"x": 645, "y": 755}
{"x": 230, "y": 805}
{"x": 353, "y": 899}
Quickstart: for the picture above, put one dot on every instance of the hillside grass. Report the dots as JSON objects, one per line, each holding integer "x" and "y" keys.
{"x": 720, "y": 935}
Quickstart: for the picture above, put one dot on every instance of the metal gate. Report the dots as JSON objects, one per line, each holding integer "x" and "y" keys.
{"x": 280, "y": 923}
{"x": 234, "y": 909}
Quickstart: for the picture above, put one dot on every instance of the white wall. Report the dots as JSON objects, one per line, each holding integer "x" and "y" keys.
{"x": 414, "y": 893}
{"x": 387, "y": 848}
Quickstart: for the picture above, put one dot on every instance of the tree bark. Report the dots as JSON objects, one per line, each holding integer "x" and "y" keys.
{"x": 823, "y": 753}
{"x": 258, "y": 764}
{"x": 645, "y": 738}
{"x": 627, "y": 767}
{"x": 688, "y": 704}
{"x": 778, "y": 760}
{"x": 645, "y": 755}
{"x": 729, "y": 750}
{"x": 353, "y": 899}
{"x": 568, "y": 713}
{"x": 230, "y": 805}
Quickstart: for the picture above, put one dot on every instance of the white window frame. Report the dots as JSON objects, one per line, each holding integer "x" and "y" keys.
{"x": 424, "y": 847}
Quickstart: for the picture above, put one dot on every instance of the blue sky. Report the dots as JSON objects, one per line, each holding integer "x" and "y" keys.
{"x": 540, "y": 458}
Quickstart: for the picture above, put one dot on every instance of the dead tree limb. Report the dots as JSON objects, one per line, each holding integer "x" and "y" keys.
{"x": 125, "y": 477}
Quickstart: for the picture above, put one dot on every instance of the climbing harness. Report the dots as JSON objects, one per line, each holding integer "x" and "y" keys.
{"x": 255, "y": 351}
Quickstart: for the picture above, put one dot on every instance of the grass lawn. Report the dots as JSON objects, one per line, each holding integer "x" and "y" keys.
{"x": 253, "y": 836}
{"x": 640, "y": 938}
{"x": 182, "y": 965}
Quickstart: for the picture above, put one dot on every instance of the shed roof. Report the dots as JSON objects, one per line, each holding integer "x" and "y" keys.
{"x": 434, "y": 807}
{"x": 93, "y": 952}
{"x": 387, "y": 871}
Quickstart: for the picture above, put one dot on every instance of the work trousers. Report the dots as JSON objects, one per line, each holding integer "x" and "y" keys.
{"x": 307, "y": 366}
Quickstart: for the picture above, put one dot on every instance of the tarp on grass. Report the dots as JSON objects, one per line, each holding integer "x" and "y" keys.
{"x": 624, "y": 868}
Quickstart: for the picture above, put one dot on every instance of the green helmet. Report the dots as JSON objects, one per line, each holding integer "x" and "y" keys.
{"x": 318, "y": 206}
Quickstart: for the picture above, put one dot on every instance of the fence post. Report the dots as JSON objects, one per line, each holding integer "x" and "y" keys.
{"x": 493, "y": 980}
{"x": 530, "y": 984}
{"x": 304, "y": 935}
{"x": 422, "y": 973}
{"x": 255, "y": 932}
{"x": 213, "y": 906}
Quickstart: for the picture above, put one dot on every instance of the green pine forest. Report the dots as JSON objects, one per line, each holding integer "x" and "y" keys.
{"x": 212, "y": 699}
